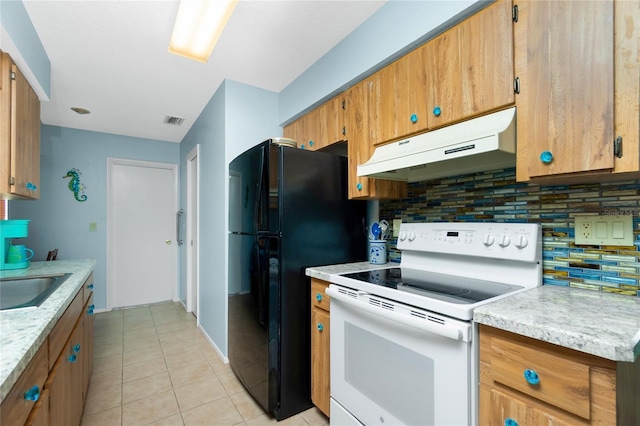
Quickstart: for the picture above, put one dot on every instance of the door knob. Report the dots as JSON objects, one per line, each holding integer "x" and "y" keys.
{"x": 168, "y": 242}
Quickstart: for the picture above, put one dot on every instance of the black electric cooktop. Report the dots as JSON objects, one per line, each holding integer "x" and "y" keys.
{"x": 445, "y": 287}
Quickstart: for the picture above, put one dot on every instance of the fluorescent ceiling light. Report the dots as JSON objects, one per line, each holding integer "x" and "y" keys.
{"x": 198, "y": 27}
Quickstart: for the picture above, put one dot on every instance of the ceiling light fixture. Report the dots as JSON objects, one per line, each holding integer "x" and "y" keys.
{"x": 198, "y": 27}
{"x": 81, "y": 111}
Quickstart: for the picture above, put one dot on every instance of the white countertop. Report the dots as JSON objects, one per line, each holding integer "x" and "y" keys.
{"x": 602, "y": 324}
{"x": 22, "y": 331}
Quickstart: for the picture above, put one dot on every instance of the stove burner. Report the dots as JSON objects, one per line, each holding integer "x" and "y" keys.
{"x": 438, "y": 286}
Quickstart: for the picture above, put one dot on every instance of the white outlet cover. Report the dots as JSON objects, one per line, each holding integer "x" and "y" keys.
{"x": 605, "y": 230}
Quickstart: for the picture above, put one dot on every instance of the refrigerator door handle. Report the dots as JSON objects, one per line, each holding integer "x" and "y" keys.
{"x": 257, "y": 208}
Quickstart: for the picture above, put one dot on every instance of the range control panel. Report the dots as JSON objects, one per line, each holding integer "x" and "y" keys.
{"x": 516, "y": 241}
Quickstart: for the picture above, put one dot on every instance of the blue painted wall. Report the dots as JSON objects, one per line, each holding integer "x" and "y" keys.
{"x": 21, "y": 40}
{"x": 236, "y": 118}
{"x": 57, "y": 219}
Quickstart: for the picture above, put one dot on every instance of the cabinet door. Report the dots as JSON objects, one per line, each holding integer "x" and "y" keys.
{"x": 87, "y": 346}
{"x": 65, "y": 381}
{"x": 332, "y": 119}
{"x": 398, "y": 99}
{"x": 40, "y": 414}
{"x": 320, "y": 367}
{"x": 25, "y": 137}
{"x": 564, "y": 56}
{"x": 360, "y": 146}
{"x": 470, "y": 67}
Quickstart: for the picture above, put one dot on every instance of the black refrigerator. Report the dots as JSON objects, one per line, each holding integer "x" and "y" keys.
{"x": 288, "y": 209}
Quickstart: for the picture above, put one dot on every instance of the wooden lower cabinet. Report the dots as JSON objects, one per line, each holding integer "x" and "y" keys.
{"x": 61, "y": 383}
{"x": 320, "y": 327}
{"x": 529, "y": 382}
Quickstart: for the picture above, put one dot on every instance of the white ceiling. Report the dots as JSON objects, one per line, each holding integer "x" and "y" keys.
{"x": 110, "y": 57}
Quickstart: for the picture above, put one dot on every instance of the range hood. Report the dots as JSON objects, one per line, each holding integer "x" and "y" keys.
{"x": 477, "y": 145}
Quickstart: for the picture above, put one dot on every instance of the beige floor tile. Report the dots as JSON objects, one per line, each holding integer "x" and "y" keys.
{"x": 191, "y": 374}
{"x": 149, "y": 342}
{"x": 101, "y": 351}
{"x": 103, "y": 399}
{"x": 142, "y": 355}
{"x": 199, "y": 393}
{"x": 104, "y": 316}
{"x": 138, "y": 333}
{"x": 107, "y": 363}
{"x": 231, "y": 383}
{"x": 150, "y": 409}
{"x": 108, "y": 339}
{"x": 166, "y": 318}
{"x": 185, "y": 359}
{"x": 173, "y": 327}
{"x": 246, "y": 405}
{"x": 262, "y": 419}
{"x": 145, "y": 387}
{"x": 107, "y": 327}
{"x": 110, "y": 417}
{"x": 175, "y": 420}
{"x": 315, "y": 417}
{"x": 105, "y": 379}
{"x": 219, "y": 412}
{"x": 135, "y": 323}
{"x": 296, "y": 420}
{"x": 143, "y": 369}
{"x": 180, "y": 336}
{"x": 136, "y": 311}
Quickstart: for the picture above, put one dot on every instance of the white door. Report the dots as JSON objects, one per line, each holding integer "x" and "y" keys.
{"x": 141, "y": 232}
{"x": 192, "y": 230}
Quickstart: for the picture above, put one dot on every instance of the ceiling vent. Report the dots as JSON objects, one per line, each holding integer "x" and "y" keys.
{"x": 174, "y": 121}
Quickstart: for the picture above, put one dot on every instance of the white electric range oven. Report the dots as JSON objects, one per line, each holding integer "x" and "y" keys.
{"x": 403, "y": 342}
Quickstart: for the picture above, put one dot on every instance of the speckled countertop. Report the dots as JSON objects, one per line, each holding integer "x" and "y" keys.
{"x": 22, "y": 331}
{"x": 602, "y": 324}
{"x": 324, "y": 272}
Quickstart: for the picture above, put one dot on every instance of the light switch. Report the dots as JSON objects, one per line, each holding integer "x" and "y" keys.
{"x": 93, "y": 226}
{"x": 614, "y": 230}
{"x": 601, "y": 230}
{"x": 396, "y": 226}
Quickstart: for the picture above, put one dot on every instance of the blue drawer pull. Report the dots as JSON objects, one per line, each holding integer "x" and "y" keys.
{"x": 510, "y": 422}
{"x": 546, "y": 157}
{"x": 437, "y": 111}
{"x": 32, "y": 394}
{"x": 318, "y": 297}
{"x": 72, "y": 358}
{"x": 90, "y": 286}
{"x": 76, "y": 348}
{"x": 320, "y": 327}
{"x": 531, "y": 376}
{"x": 414, "y": 118}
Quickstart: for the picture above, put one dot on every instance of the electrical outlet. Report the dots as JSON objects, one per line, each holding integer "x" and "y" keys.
{"x": 604, "y": 230}
{"x": 396, "y": 226}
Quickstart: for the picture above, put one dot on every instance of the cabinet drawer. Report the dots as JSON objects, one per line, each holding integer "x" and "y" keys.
{"x": 318, "y": 297}
{"x": 550, "y": 377}
{"x": 63, "y": 328}
{"x": 15, "y": 408}
{"x": 88, "y": 288}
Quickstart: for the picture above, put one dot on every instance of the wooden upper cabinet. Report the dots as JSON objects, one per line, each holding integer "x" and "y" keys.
{"x": 469, "y": 68}
{"x": 397, "y": 101}
{"x": 320, "y": 127}
{"x": 564, "y": 56}
{"x": 19, "y": 134}
{"x": 361, "y": 136}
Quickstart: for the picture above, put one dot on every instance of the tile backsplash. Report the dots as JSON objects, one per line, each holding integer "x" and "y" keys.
{"x": 496, "y": 196}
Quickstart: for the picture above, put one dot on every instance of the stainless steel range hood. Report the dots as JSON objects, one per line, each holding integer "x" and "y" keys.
{"x": 481, "y": 144}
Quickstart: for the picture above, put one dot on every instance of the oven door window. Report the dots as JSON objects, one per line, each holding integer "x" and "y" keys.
{"x": 384, "y": 372}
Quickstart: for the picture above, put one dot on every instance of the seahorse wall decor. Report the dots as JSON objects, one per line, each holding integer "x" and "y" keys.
{"x": 75, "y": 186}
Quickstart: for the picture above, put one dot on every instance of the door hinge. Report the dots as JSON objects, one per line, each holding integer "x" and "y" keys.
{"x": 344, "y": 104}
{"x": 516, "y": 85}
{"x": 12, "y": 75}
{"x": 12, "y": 180}
{"x": 617, "y": 147}
{"x": 514, "y": 13}
{"x": 344, "y": 131}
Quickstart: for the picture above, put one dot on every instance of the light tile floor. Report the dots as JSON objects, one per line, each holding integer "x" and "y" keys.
{"x": 153, "y": 366}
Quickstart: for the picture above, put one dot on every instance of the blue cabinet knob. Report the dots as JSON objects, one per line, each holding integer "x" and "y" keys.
{"x": 510, "y": 422}
{"x": 359, "y": 187}
{"x": 414, "y": 118}
{"x": 320, "y": 327}
{"x": 437, "y": 111}
{"x": 72, "y": 358}
{"x": 531, "y": 376}
{"x": 318, "y": 297}
{"x": 546, "y": 157}
{"x": 302, "y": 146}
{"x": 31, "y": 187}
{"x": 32, "y": 394}
{"x": 76, "y": 348}
{"x": 310, "y": 143}
{"x": 90, "y": 286}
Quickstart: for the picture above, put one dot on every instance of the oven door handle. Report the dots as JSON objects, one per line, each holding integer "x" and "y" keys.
{"x": 449, "y": 331}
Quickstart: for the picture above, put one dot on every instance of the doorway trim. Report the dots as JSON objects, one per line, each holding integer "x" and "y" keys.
{"x": 111, "y": 162}
{"x": 193, "y": 202}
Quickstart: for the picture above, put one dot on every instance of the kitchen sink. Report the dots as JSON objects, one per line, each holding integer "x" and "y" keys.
{"x": 25, "y": 292}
